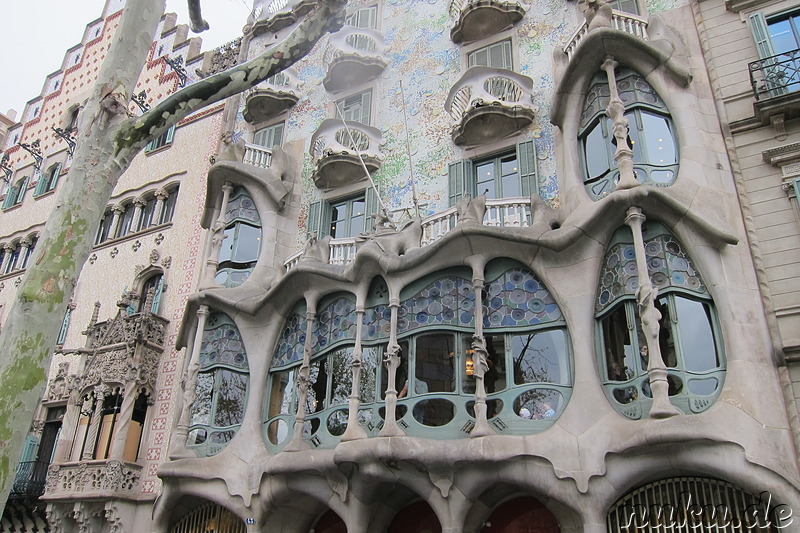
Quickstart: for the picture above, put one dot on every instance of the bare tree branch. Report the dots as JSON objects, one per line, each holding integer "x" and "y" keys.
{"x": 196, "y": 17}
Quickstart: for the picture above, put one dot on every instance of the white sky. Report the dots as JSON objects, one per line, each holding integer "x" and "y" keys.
{"x": 36, "y": 33}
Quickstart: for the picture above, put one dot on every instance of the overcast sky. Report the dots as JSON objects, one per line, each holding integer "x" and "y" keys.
{"x": 36, "y": 33}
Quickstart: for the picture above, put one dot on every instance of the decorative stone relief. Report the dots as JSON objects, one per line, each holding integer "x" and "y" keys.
{"x": 58, "y": 386}
{"x": 109, "y": 476}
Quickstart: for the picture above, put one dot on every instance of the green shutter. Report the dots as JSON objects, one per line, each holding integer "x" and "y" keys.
{"x": 758, "y": 26}
{"x": 62, "y": 334}
{"x": 41, "y": 185}
{"x": 526, "y": 156}
{"x": 319, "y": 218}
{"x": 10, "y": 192}
{"x": 22, "y": 189}
{"x": 170, "y": 135}
{"x": 796, "y": 184}
{"x": 366, "y": 103}
{"x": 460, "y": 180}
{"x": 30, "y": 448}
{"x": 372, "y": 206}
{"x": 54, "y": 181}
{"x": 157, "y": 296}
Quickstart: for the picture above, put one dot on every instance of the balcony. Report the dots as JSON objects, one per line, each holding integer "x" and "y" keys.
{"x": 488, "y": 104}
{"x": 275, "y": 15}
{"x": 93, "y": 479}
{"x": 257, "y": 156}
{"x": 30, "y": 480}
{"x": 478, "y": 19}
{"x": 620, "y": 20}
{"x": 272, "y": 97}
{"x": 337, "y": 156}
{"x": 776, "y": 86}
{"x": 354, "y": 56}
{"x": 499, "y": 213}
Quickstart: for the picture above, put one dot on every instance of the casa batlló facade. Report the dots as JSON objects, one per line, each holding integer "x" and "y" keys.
{"x": 470, "y": 266}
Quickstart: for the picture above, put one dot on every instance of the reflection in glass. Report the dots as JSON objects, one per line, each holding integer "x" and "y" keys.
{"x": 277, "y": 431}
{"x": 434, "y": 371}
{"x": 231, "y": 393}
{"x": 696, "y": 335}
{"x": 540, "y": 357}
{"x": 201, "y": 407}
{"x": 538, "y": 404}
{"x": 434, "y": 412}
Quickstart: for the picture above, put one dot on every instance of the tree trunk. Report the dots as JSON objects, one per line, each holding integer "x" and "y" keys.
{"x": 108, "y": 141}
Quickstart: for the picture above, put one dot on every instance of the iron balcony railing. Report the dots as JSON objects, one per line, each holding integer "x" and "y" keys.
{"x": 776, "y": 75}
{"x": 30, "y": 479}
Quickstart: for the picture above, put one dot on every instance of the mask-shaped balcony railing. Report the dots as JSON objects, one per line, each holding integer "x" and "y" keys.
{"x": 478, "y": 19}
{"x": 354, "y": 56}
{"x": 336, "y": 155}
{"x": 500, "y": 213}
{"x": 620, "y": 20}
{"x": 274, "y": 15}
{"x": 500, "y": 99}
{"x": 776, "y": 75}
{"x": 272, "y": 96}
{"x": 258, "y": 156}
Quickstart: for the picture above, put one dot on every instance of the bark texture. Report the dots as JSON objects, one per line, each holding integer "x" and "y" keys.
{"x": 108, "y": 141}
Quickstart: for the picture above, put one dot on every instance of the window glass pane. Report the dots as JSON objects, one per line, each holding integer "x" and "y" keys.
{"x": 318, "y": 390}
{"x": 666, "y": 340}
{"x": 619, "y": 350}
{"x": 169, "y": 206}
{"x": 248, "y": 241}
{"x": 282, "y": 393}
{"x": 782, "y": 37}
{"x": 229, "y": 409}
{"x": 226, "y": 250}
{"x": 369, "y": 365}
{"x": 434, "y": 361}
{"x": 341, "y": 376}
{"x": 485, "y": 176}
{"x": 494, "y": 380}
{"x": 479, "y": 58}
{"x": 356, "y": 218}
{"x": 660, "y": 142}
{"x": 696, "y": 335}
{"x": 634, "y": 137}
{"x": 201, "y": 408}
{"x": 509, "y": 172}
{"x": 596, "y": 152}
{"x": 629, "y": 6}
{"x": 540, "y": 357}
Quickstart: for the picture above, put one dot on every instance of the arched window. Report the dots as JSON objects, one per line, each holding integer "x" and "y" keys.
{"x": 651, "y": 135}
{"x": 209, "y": 517}
{"x": 156, "y": 284}
{"x": 169, "y": 206}
{"x": 48, "y": 180}
{"x": 12, "y": 259}
{"x": 242, "y": 243}
{"x": 221, "y": 390}
{"x": 125, "y": 223}
{"x": 16, "y": 193}
{"x": 29, "y": 252}
{"x": 105, "y": 227}
{"x": 529, "y": 356}
{"x": 688, "y": 338}
{"x": 148, "y": 211}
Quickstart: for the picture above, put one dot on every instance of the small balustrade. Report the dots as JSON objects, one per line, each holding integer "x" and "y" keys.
{"x": 98, "y": 479}
{"x": 474, "y": 20}
{"x": 272, "y": 96}
{"x": 500, "y": 213}
{"x": 354, "y": 56}
{"x": 620, "y": 20}
{"x": 258, "y": 156}
{"x": 338, "y": 153}
{"x": 500, "y": 99}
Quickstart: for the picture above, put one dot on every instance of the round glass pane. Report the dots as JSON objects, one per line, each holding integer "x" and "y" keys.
{"x": 337, "y": 422}
{"x": 703, "y": 386}
{"x": 493, "y": 408}
{"x": 434, "y": 412}
{"x": 538, "y": 404}
{"x": 277, "y": 431}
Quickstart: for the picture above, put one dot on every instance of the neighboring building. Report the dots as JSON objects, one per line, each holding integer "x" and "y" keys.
{"x": 6, "y": 122}
{"x": 577, "y": 307}
{"x": 109, "y": 384}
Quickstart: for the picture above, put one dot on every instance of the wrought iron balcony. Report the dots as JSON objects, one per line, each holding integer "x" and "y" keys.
{"x": 478, "y": 19}
{"x": 30, "y": 480}
{"x": 337, "y": 156}
{"x": 488, "y": 104}
{"x": 272, "y": 97}
{"x": 620, "y": 20}
{"x": 776, "y": 85}
{"x": 354, "y": 56}
{"x": 98, "y": 479}
{"x": 274, "y": 15}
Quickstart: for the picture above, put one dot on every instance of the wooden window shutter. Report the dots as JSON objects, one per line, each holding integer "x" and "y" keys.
{"x": 526, "y": 157}
{"x": 460, "y": 180}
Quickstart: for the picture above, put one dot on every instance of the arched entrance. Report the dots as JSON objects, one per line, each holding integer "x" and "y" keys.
{"x": 521, "y": 515}
{"x": 330, "y": 523}
{"x": 417, "y": 517}
{"x": 209, "y": 518}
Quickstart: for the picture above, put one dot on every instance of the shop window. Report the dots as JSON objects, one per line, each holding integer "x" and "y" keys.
{"x": 269, "y": 136}
{"x": 161, "y": 141}
{"x": 366, "y": 18}
{"x": 651, "y": 135}
{"x": 688, "y": 336}
{"x": 221, "y": 390}
{"x": 506, "y": 175}
{"x": 356, "y": 108}
{"x": 497, "y": 55}
{"x": 242, "y": 244}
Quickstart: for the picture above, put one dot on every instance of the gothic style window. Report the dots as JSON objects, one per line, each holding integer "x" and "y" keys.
{"x": 125, "y": 222}
{"x": 242, "y": 243}
{"x": 105, "y": 228}
{"x": 48, "y": 180}
{"x": 506, "y": 175}
{"x": 169, "y": 206}
{"x": 497, "y": 55}
{"x": 688, "y": 336}
{"x": 651, "y": 135}
{"x": 109, "y": 417}
{"x": 12, "y": 260}
{"x": 529, "y": 357}
{"x": 156, "y": 283}
{"x": 221, "y": 390}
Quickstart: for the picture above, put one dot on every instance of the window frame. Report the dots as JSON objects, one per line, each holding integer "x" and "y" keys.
{"x": 365, "y": 101}
{"x": 506, "y": 50}
{"x": 161, "y": 142}
{"x": 269, "y": 134}
{"x": 360, "y": 13}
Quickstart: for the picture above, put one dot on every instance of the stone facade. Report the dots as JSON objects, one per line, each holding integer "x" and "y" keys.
{"x": 563, "y": 297}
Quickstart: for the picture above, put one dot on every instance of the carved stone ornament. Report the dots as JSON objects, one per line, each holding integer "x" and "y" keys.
{"x": 222, "y": 58}
{"x": 99, "y": 478}
{"x": 54, "y": 517}
{"x": 92, "y": 258}
{"x": 58, "y": 390}
{"x": 114, "y": 252}
{"x": 136, "y": 245}
{"x": 159, "y": 238}
{"x": 154, "y": 256}
{"x": 167, "y": 261}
